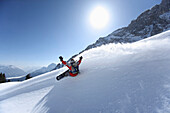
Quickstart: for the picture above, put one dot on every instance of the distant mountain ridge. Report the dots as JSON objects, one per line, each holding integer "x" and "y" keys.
{"x": 43, "y": 70}
{"x": 149, "y": 23}
{"x": 15, "y": 74}
{"x": 11, "y": 71}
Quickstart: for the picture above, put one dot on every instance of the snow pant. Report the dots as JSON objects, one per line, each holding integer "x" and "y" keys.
{"x": 67, "y": 73}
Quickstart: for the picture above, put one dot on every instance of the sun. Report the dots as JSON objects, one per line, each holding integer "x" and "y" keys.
{"x": 99, "y": 17}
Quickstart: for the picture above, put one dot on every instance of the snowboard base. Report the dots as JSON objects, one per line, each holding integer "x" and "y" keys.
{"x": 59, "y": 77}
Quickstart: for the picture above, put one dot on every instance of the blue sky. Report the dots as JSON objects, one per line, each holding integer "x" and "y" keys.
{"x": 37, "y": 32}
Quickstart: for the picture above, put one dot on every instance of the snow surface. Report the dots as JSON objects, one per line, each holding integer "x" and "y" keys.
{"x": 115, "y": 78}
{"x": 7, "y": 85}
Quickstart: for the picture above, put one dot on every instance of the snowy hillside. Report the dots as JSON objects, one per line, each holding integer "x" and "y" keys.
{"x": 115, "y": 78}
{"x": 11, "y": 71}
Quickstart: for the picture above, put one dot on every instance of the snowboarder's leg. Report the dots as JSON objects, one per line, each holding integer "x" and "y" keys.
{"x": 66, "y": 73}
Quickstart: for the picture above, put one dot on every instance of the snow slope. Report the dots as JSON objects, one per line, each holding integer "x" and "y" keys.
{"x": 115, "y": 78}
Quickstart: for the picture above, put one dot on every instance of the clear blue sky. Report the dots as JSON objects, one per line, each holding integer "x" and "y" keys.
{"x": 37, "y": 32}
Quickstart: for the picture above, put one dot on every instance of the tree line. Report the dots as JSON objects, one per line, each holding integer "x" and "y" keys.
{"x": 3, "y": 78}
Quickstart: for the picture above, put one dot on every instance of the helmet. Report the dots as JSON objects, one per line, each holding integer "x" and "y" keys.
{"x": 72, "y": 61}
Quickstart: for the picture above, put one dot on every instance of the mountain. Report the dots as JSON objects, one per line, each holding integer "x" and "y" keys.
{"x": 11, "y": 71}
{"x": 29, "y": 69}
{"x": 149, "y": 23}
{"x": 114, "y": 78}
{"x": 37, "y": 72}
{"x": 43, "y": 70}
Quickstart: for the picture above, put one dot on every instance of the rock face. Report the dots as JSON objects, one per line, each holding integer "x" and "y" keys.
{"x": 149, "y": 23}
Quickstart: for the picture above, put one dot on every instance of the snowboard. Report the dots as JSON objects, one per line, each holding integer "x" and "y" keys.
{"x": 59, "y": 77}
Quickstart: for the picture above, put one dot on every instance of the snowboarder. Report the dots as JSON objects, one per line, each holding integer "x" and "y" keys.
{"x": 73, "y": 67}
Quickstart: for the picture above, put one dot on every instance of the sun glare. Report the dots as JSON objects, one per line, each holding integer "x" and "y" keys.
{"x": 99, "y": 17}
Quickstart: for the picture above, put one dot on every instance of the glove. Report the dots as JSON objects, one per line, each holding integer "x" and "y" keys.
{"x": 81, "y": 58}
{"x": 61, "y": 58}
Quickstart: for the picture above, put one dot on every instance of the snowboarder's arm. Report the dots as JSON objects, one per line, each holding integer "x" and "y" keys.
{"x": 80, "y": 60}
{"x": 65, "y": 63}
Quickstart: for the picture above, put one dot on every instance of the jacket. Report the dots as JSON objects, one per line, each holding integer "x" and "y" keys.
{"x": 71, "y": 74}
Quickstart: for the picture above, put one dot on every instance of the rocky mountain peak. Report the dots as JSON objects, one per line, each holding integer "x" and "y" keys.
{"x": 149, "y": 23}
{"x": 165, "y": 4}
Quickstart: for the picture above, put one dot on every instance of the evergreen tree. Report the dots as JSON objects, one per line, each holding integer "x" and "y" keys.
{"x": 28, "y": 77}
{"x": 2, "y": 77}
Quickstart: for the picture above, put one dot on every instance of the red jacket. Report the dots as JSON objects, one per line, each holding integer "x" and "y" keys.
{"x": 71, "y": 74}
